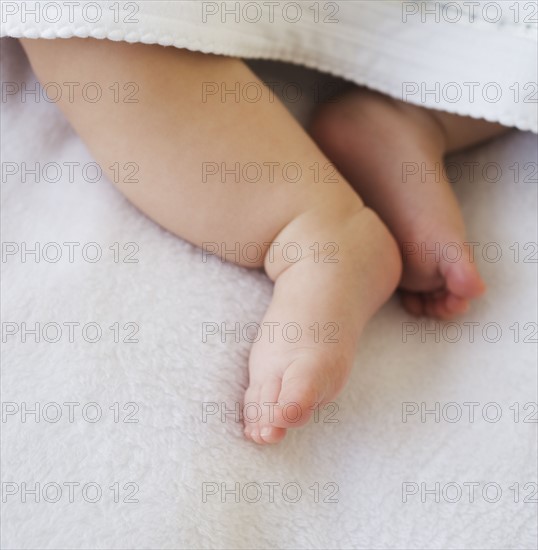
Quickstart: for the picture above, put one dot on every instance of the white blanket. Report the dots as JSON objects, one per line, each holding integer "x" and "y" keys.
{"x": 475, "y": 58}
{"x": 363, "y": 479}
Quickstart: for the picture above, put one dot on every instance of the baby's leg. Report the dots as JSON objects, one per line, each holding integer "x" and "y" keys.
{"x": 385, "y": 148}
{"x": 171, "y": 133}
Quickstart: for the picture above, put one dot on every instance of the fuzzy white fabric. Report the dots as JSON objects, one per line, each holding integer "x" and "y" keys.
{"x": 478, "y": 58}
{"x": 171, "y": 452}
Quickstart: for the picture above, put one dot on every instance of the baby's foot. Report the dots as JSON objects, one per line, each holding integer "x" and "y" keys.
{"x": 319, "y": 307}
{"x": 385, "y": 149}
{"x": 440, "y": 277}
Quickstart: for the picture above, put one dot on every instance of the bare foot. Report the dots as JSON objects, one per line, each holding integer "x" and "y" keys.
{"x": 392, "y": 153}
{"x": 327, "y": 303}
{"x": 343, "y": 292}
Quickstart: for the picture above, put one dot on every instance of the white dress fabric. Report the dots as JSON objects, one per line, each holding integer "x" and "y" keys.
{"x": 476, "y": 59}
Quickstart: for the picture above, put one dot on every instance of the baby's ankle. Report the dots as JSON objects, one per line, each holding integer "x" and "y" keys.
{"x": 352, "y": 239}
{"x": 315, "y": 236}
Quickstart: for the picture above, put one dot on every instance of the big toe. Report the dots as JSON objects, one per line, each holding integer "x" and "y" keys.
{"x": 258, "y": 412}
{"x": 463, "y": 280}
{"x": 304, "y": 387}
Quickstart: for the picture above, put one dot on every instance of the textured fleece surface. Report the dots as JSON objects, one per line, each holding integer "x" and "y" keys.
{"x": 369, "y": 465}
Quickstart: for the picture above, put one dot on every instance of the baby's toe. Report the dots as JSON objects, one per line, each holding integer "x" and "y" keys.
{"x": 269, "y": 393}
{"x": 250, "y": 411}
{"x": 303, "y": 389}
{"x": 412, "y": 302}
{"x": 445, "y": 307}
{"x": 258, "y": 411}
{"x": 438, "y": 305}
{"x": 272, "y": 434}
{"x": 463, "y": 280}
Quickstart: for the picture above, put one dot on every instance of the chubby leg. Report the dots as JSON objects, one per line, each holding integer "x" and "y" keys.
{"x": 350, "y": 263}
{"x": 372, "y": 138}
